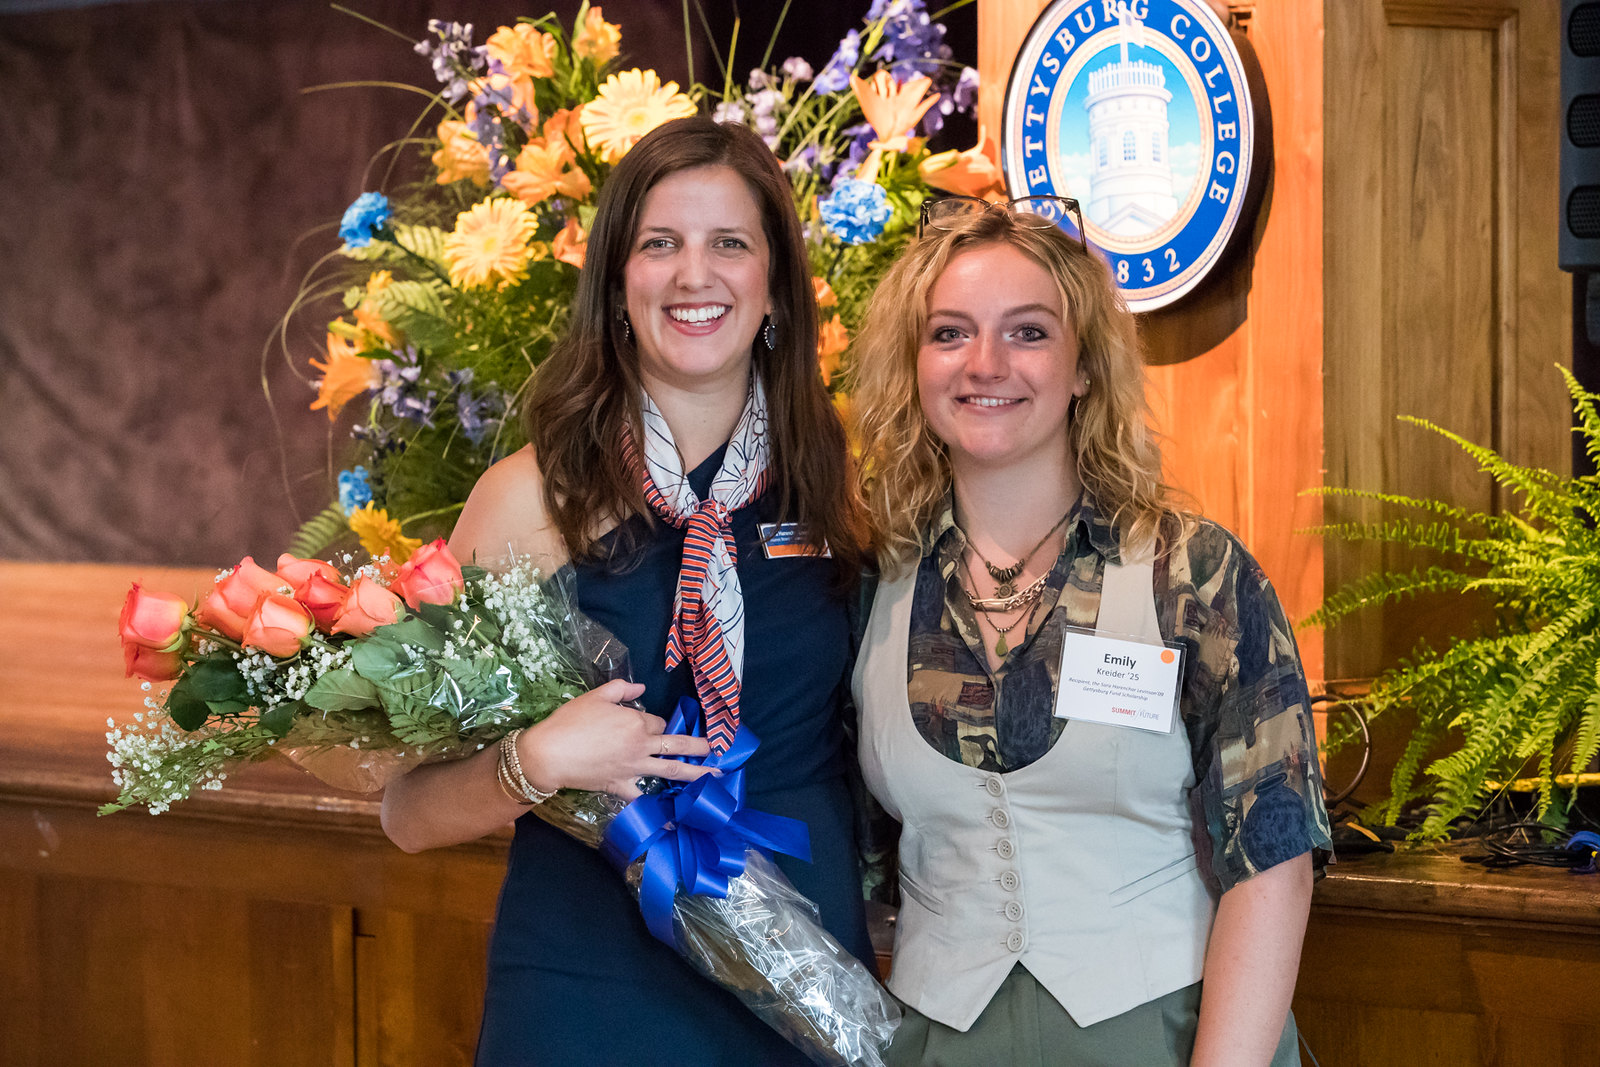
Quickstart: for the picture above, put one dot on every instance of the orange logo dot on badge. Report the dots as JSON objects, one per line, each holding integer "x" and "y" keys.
{"x": 1167, "y": 656}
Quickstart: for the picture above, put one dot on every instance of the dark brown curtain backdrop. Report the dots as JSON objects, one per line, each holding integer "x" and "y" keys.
{"x": 165, "y": 182}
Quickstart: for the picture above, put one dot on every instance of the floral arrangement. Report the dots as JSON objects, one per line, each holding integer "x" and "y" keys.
{"x": 359, "y": 676}
{"x": 1524, "y": 694}
{"x": 455, "y": 288}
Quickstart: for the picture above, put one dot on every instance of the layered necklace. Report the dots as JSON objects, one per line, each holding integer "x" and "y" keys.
{"x": 1007, "y": 597}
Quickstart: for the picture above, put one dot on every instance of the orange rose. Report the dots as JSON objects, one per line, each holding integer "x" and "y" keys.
{"x": 297, "y": 571}
{"x": 151, "y": 664}
{"x": 430, "y": 576}
{"x": 280, "y": 626}
{"x": 229, "y": 607}
{"x": 368, "y": 607}
{"x": 153, "y": 620}
{"x": 322, "y": 597}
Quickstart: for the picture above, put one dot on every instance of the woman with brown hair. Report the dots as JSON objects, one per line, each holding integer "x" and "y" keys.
{"x": 1083, "y": 703}
{"x": 680, "y": 435}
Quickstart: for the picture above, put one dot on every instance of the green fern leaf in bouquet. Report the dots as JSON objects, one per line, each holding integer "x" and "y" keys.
{"x": 1521, "y": 698}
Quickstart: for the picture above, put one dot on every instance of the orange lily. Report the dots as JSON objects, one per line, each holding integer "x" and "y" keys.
{"x": 522, "y": 50}
{"x": 824, "y": 291}
{"x": 893, "y": 110}
{"x": 571, "y": 245}
{"x": 460, "y": 156}
{"x": 973, "y": 172}
{"x": 599, "y": 40}
{"x": 369, "y": 315}
{"x": 543, "y": 170}
{"x": 344, "y": 377}
{"x": 832, "y": 341}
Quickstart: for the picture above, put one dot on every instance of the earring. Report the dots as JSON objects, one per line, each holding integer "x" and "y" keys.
{"x": 769, "y": 334}
{"x": 627, "y": 327}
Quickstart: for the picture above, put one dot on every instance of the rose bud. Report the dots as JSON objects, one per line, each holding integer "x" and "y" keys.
{"x": 296, "y": 571}
{"x": 153, "y": 620}
{"x": 368, "y": 607}
{"x": 229, "y": 606}
{"x": 280, "y": 626}
{"x": 323, "y": 598}
{"x": 151, "y": 664}
{"x": 430, "y": 576}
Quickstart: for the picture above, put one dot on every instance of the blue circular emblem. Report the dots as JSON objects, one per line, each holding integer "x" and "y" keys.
{"x": 1141, "y": 111}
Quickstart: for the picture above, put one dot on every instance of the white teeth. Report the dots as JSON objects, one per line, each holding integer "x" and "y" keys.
{"x": 697, "y": 315}
{"x": 988, "y": 401}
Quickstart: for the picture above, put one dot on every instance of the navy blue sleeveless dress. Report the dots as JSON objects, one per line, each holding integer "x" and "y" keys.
{"x": 575, "y": 978}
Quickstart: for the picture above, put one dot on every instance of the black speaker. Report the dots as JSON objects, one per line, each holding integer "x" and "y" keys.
{"x": 1580, "y": 135}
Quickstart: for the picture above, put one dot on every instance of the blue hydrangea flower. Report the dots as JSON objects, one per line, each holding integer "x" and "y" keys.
{"x": 363, "y": 219}
{"x": 355, "y": 491}
{"x": 835, "y": 76}
{"x": 857, "y": 211}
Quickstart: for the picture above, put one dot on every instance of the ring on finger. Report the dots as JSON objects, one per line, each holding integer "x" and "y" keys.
{"x": 663, "y": 746}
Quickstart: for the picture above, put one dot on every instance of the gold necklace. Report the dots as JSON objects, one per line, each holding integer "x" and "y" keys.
{"x": 1028, "y": 598}
{"x": 1000, "y": 646}
{"x": 1006, "y": 577}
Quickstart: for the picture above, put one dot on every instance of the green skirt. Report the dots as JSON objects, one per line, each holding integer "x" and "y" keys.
{"x": 1023, "y": 1025}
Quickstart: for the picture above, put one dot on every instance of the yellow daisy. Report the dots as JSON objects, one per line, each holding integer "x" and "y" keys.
{"x": 379, "y": 534}
{"x": 630, "y": 105}
{"x": 490, "y": 244}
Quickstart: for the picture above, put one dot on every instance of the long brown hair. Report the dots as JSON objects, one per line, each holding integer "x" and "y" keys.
{"x": 587, "y": 392}
{"x": 907, "y": 466}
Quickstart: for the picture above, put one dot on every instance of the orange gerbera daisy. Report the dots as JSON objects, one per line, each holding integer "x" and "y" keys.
{"x": 345, "y": 376}
{"x": 522, "y": 50}
{"x": 630, "y": 105}
{"x": 598, "y": 39}
{"x": 545, "y": 169}
{"x": 460, "y": 156}
{"x": 832, "y": 341}
{"x": 490, "y": 244}
{"x": 571, "y": 244}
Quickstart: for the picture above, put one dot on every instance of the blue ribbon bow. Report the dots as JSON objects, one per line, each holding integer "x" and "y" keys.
{"x": 694, "y": 834}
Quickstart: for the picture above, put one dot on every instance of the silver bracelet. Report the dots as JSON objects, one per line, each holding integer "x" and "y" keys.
{"x": 512, "y": 780}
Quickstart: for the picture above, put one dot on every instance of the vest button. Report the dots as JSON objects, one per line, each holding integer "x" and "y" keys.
{"x": 1005, "y": 848}
{"x": 1009, "y": 881}
{"x": 1000, "y": 818}
{"x": 1015, "y": 941}
{"x": 1013, "y": 910}
{"x": 993, "y": 786}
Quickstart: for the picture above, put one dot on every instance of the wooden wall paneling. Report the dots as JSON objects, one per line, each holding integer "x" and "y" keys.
{"x": 20, "y": 1005}
{"x": 422, "y": 977}
{"x": 1442, "y": 295}
{"x": 1236, "y": 368}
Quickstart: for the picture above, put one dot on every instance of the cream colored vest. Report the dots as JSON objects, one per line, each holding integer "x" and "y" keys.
{"x": 1080, "y": 866}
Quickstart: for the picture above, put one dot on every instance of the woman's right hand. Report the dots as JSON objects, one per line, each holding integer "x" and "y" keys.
{"x": 598, "y": 742}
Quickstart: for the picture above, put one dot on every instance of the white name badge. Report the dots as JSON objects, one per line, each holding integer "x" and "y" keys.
{"x": 1118, "y": 681}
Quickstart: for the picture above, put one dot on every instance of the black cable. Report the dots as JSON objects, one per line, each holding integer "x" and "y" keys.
{"x": 1503, "y": 849}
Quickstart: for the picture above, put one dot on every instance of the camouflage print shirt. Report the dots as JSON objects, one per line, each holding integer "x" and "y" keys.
{"x": 1243, "y": 694}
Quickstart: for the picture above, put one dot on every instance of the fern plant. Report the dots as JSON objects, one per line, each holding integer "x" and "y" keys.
{"x": 1524, "y": 694}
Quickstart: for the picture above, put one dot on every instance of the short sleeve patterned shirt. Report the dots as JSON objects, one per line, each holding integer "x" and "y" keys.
{"x": 1243, "y": 698}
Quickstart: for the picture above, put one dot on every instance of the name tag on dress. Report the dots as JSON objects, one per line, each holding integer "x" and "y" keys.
{"x": 779, "y": 539}
{"x": 1118, "y": 681}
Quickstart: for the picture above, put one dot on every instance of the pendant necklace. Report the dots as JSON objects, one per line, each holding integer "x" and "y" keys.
{"x": 1029, "y": 598}
{"x": 1006, "y": 577}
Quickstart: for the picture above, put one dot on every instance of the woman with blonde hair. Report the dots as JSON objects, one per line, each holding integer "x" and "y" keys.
{"x": 1083, "y": 703}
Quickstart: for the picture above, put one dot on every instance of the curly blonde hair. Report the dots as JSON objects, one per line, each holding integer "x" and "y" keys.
{"x": 905, "y": 466}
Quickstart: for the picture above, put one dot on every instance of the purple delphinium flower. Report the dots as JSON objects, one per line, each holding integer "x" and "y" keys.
{"x": 835, "y": 76}
{"x": 729, "y": 111}
{"x": 363, "y": 218}
{"x": 399, "y": 387}
{"x": 796, "y": 69}
{"x": 856, "y": 210}
{"x": 764, "y": 112}
{"x": 453, "y": 57}
{"x": 966, "y": 90}
{"x": 912, "y": 42}
{"x": 802, "y": 161}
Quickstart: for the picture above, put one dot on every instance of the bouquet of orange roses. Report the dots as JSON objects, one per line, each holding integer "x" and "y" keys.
{"x": 358, "y": 676}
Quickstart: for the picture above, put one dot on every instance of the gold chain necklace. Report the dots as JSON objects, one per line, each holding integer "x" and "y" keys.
{"x": 1006, "y": 577}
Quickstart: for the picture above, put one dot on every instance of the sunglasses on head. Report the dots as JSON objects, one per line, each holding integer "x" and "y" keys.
{"x": 949, "y": 212}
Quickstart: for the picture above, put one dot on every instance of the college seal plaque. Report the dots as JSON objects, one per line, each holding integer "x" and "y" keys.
{"x": 1141, "y": 111}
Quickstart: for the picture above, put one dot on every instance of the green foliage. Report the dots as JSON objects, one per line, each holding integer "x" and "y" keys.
{"x": 318, "y": 532}
{"x": 1522, "y": 698}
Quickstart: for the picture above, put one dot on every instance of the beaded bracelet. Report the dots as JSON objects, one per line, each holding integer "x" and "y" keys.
{"x": 512, "y": 781}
